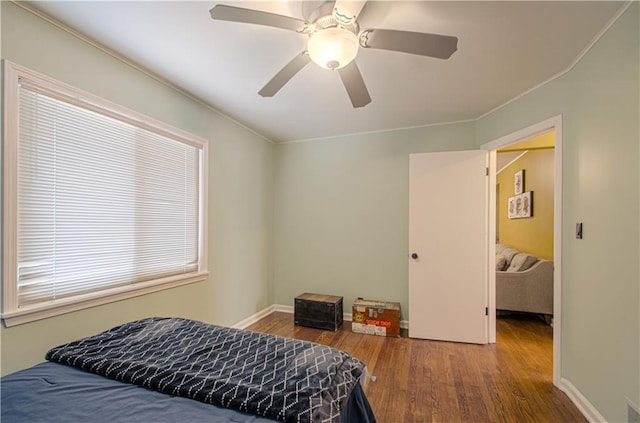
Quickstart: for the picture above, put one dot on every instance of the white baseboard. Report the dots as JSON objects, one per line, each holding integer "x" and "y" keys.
{"x": 255, "y": 317}
{"x": 404, "y": 324}
{"x": 283, "y": 308}
{"x": 585, "y": 407}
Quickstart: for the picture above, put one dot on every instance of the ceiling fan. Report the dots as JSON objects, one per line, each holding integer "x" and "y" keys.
{"x": 334, "y": 40}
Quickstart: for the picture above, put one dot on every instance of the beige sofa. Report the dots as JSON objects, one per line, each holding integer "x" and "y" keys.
{"x": 523, "y": 282}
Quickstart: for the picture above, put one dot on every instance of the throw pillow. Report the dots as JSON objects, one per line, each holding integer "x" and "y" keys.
{"x": 509, "y": 253}
{"x": 521, "y": 262}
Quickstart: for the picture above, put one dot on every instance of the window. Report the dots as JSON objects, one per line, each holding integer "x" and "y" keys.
{"x": 100, "y": 203}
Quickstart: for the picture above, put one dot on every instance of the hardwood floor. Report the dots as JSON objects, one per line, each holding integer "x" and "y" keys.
{"x": 431, "y": 381}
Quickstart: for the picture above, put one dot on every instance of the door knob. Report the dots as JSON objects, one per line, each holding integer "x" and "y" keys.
{"x": 414, "y": 256}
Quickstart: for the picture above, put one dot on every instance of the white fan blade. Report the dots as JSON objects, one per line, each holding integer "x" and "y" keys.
{"x": 285, "y": 74}
{"x": 354, "y": 84}
{"x": 346, "y": 12}
{"x": 238, "y": 14}
{"x": 432, "y": 45}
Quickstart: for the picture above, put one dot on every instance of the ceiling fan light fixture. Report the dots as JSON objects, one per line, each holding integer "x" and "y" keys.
{"x": 333, "y": 48}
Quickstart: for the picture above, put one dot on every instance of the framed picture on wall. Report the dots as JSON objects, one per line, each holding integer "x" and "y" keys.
{"x": 527, "y": 204}
{"x": 512, "y": 208}
{"x": 521, "y": 205}
{"x": 518, "y": 182}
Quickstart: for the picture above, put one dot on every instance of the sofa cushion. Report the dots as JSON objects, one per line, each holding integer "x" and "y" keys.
{"x": 501, "y": 262}
{"x": 507, "y": 252}
{"x": 521, "y": 262}
{"x": 500, "y": 248}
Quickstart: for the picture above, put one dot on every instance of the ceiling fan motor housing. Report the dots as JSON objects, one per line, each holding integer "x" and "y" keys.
{"x": 333, "y": 48}
{"x": 334, "y": 40}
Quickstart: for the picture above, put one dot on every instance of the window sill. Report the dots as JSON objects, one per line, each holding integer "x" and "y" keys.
{"x": 67, "y": 305}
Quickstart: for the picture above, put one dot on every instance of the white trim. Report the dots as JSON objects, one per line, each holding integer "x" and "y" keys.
{"x": 589, "y": 46}
{"x": 551, "y": 124}
{"x": 581, "y": 402}
{"x": 11, "y": 313}
{"x": 242, "y": 324}
{"x": 205, "y": 104}
{"x": 87, "y": 100}
{"x": 522, "y": 134}
{"x": 347, "y": 317}
{"x": 28, "y": 7}
{"x": 30, "y": 314}
{"x": 10, "y": 194}
{"x": 375, "y": 131}
{"x": 491, "y": 248}
{"x": 283, "y": 308}
{"x": 204, "y": 207}
{"x": 557, "y": 252}
{"x": 498, "y": 171}
{"x": 593, "y": 42}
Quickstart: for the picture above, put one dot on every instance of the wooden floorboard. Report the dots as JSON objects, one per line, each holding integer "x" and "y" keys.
{"x": 431, "y": 381}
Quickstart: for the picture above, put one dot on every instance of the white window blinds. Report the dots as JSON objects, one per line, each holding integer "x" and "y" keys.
{"x": 102, "y": 203}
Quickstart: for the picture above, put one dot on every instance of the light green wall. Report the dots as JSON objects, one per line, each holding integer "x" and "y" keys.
{"x": 599, "y": 102}
{"x": 240, "y": 184}
{"x": 340, "y": 223}
{"x": 341, "y": 212}
{"x": 339, "y": 215}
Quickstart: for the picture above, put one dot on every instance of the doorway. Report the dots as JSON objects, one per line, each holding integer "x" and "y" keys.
{"x": 551, "y": 125}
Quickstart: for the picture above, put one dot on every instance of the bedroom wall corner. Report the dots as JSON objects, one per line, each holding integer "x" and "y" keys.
{"x": 341, "y": 212}
{"x": 239, "y": 191}
{"x": 599, "y": 103}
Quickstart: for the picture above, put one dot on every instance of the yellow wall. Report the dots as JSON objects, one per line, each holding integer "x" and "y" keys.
{"x": 535, "y": 234}
{"x": 546, "y": 140}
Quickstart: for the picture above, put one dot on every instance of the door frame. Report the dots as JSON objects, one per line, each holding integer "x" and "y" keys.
{"x": 551, "y": 124}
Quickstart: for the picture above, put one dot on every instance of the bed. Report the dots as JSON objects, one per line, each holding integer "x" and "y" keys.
{"x": 180, "y": 370}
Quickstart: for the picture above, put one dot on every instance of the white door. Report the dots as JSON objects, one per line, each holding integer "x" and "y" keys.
{"x": 448, "y": 227}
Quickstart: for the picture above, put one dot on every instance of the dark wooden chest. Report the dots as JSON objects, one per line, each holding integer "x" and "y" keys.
{"x": 318, "y": 311}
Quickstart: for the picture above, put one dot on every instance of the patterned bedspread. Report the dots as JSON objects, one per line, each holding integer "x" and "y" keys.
{"x": 280, "y": 378}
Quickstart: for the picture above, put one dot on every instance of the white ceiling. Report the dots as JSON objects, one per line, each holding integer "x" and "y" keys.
{"x": 504, "y": 49}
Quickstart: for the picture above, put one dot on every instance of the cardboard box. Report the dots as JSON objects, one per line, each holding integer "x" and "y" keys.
{"x": 376, "y": 317}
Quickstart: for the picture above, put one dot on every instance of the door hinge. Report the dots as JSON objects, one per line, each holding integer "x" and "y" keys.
{"x": 487, "y": 173}
{"x": 486, "y": 311}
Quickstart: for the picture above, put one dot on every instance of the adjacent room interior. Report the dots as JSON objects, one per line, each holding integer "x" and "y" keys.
{"x": 525, "y": 285}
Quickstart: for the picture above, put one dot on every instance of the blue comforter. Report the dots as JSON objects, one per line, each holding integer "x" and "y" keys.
{"x": 280, "y": 378}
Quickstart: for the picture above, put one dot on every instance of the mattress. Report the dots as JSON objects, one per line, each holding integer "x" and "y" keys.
{"x": 52, "y": 392}
{"x": 165, "y": 370}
